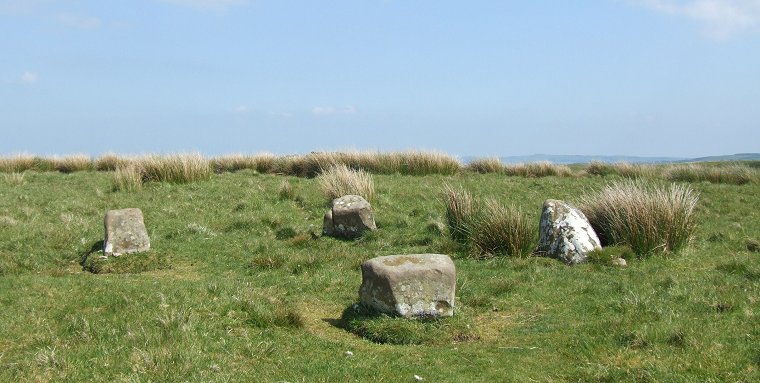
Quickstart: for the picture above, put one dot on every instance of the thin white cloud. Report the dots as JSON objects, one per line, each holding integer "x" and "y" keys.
{"x": 241, "y": 109}
{"x": 213, "y": 5}
{"x": 720, "y": 18}
{"x": 29, "y": 77}
{"x": 281, "y": 114}
{"x": 79, "y": 21}
{"x": 21, "y": 7}
{"x": 331, "y": 110}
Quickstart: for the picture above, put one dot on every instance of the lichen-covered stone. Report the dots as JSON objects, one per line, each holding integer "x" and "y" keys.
{"x": 125, "y": 232}
{"x": 350, "y": 216}
{"x": 416, "y": 285}
{"x": 565, "y": 233}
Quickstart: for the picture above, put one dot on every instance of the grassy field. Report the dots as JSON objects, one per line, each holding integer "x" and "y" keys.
{"x": 240, "y": 286}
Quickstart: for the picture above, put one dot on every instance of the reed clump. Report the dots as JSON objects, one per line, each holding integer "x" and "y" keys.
{"x": 176, "y": 168}
{"x": 538, "y": 169}
{"x": 648, "y": 217}
{"x": 502, "y": 230}
{"x": 460, "y": 212}
{"x": 340, "y": 180}
{"x": 734, "y": 173}
{"x": 486, "y": 165}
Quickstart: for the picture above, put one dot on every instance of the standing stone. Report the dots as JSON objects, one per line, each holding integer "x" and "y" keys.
{"x": 409, "y": 285}
{"x": 350, "y": 216}
{"x": 565, "y": 233}
{"x": 125, "y": 232}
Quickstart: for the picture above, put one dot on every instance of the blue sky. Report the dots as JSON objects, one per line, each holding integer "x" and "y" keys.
{"x": 636, "y": 77}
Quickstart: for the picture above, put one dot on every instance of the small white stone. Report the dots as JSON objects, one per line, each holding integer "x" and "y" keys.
{"x": 348, "y": 354}
{"x": 417, "y": 378}
{"x": 619, "y": 262}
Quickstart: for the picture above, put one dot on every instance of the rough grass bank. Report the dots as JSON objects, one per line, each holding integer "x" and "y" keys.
{"x": 240, "y": 286}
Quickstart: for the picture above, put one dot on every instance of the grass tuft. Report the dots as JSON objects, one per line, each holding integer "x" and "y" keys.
{"x": 460, "y": 212}
{"x": 270, "y": 313}
{"x": 538, "y": 169}
{"x": 286, "y": 191}
{"x": 111, "y": 161}
{"x": 486, "y": 165}
{"x": 502, "y": 230}
{"x": 645, "y": 216}
{"x": 178, "y": 168}
{"x": 261, "y": 162}
{"x": 17, "y": 163}
{"x": 734, "y": 174}
{"x": 340, "y": 180}
{"x": 14, "y": 178}
{"x": 129, "y": 179}
{"x": 73, "y": 163}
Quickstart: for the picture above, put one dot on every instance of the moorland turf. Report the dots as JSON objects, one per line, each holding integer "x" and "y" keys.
{"x": 240, "y": 286}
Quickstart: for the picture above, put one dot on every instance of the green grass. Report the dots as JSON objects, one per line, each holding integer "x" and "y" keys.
{"x": 649, "y": 217}
{"x": 238, "y": 286}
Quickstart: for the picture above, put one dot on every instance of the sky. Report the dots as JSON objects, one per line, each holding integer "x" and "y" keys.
{"x": 471, "y": 78}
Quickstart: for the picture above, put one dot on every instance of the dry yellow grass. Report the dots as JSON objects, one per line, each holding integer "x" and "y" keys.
{"x": 72, "y": 163}
{"x": 538, "y": 169}
{"x": 646, "y": 216}
{"x": 128, "y": 178}
{"x": 486, "y": 165}
{"x": 14, "y": 178}
{"x": 460, "y": 212}
{"x": 260, "y": 162}
{"x": 16, "y": 163}
{"x": 176, "y": 168}
{"x": 736, "y": 174}
{"x": 340, "y": 180}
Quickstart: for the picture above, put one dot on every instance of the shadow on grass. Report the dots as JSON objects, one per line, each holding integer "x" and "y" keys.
{"x": 382, "y": 328}
{"x": 95, "y": 248}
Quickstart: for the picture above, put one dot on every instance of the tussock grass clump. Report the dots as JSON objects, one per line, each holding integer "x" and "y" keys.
{"x": 17, "y": 163}
{"x": 111, "y": 161}
{"x": 622, "y": 169}
{"x": 422, "y": 163}
{"x": 460, "y": 212}
{"x": 486, "y": 165}
{"x": 128, "y": 179}
{"x": 502, "y": 230}
{"x": 407, "y": 163}
{"x": 261, "y": 162}
{"x": 178, "y": 168}
{"x": 286, "y": 191}
{"x": 538, "y": 169}
{"x": 73, "y": 163}
{"x": 599, "y": 168}
{"x": 15, "y": 178}
{"x": 340, "y": 180}
{"x": 645, "y": 216}
{"x": 735, "y": 174}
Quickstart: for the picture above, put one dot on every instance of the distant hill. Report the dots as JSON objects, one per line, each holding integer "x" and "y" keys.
{"x": 579, "y": 159}
{"x": 731, "y": 157}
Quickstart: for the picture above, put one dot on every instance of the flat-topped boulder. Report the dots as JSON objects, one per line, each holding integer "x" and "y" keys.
{"x": 416, "y": 285}
{"x": 349, "y": 217}
{"x": 125, "y": 232}
{"x": 565, "y": 233}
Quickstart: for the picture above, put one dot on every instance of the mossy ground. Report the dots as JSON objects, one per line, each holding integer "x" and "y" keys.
{"x": 239, "y": 286}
